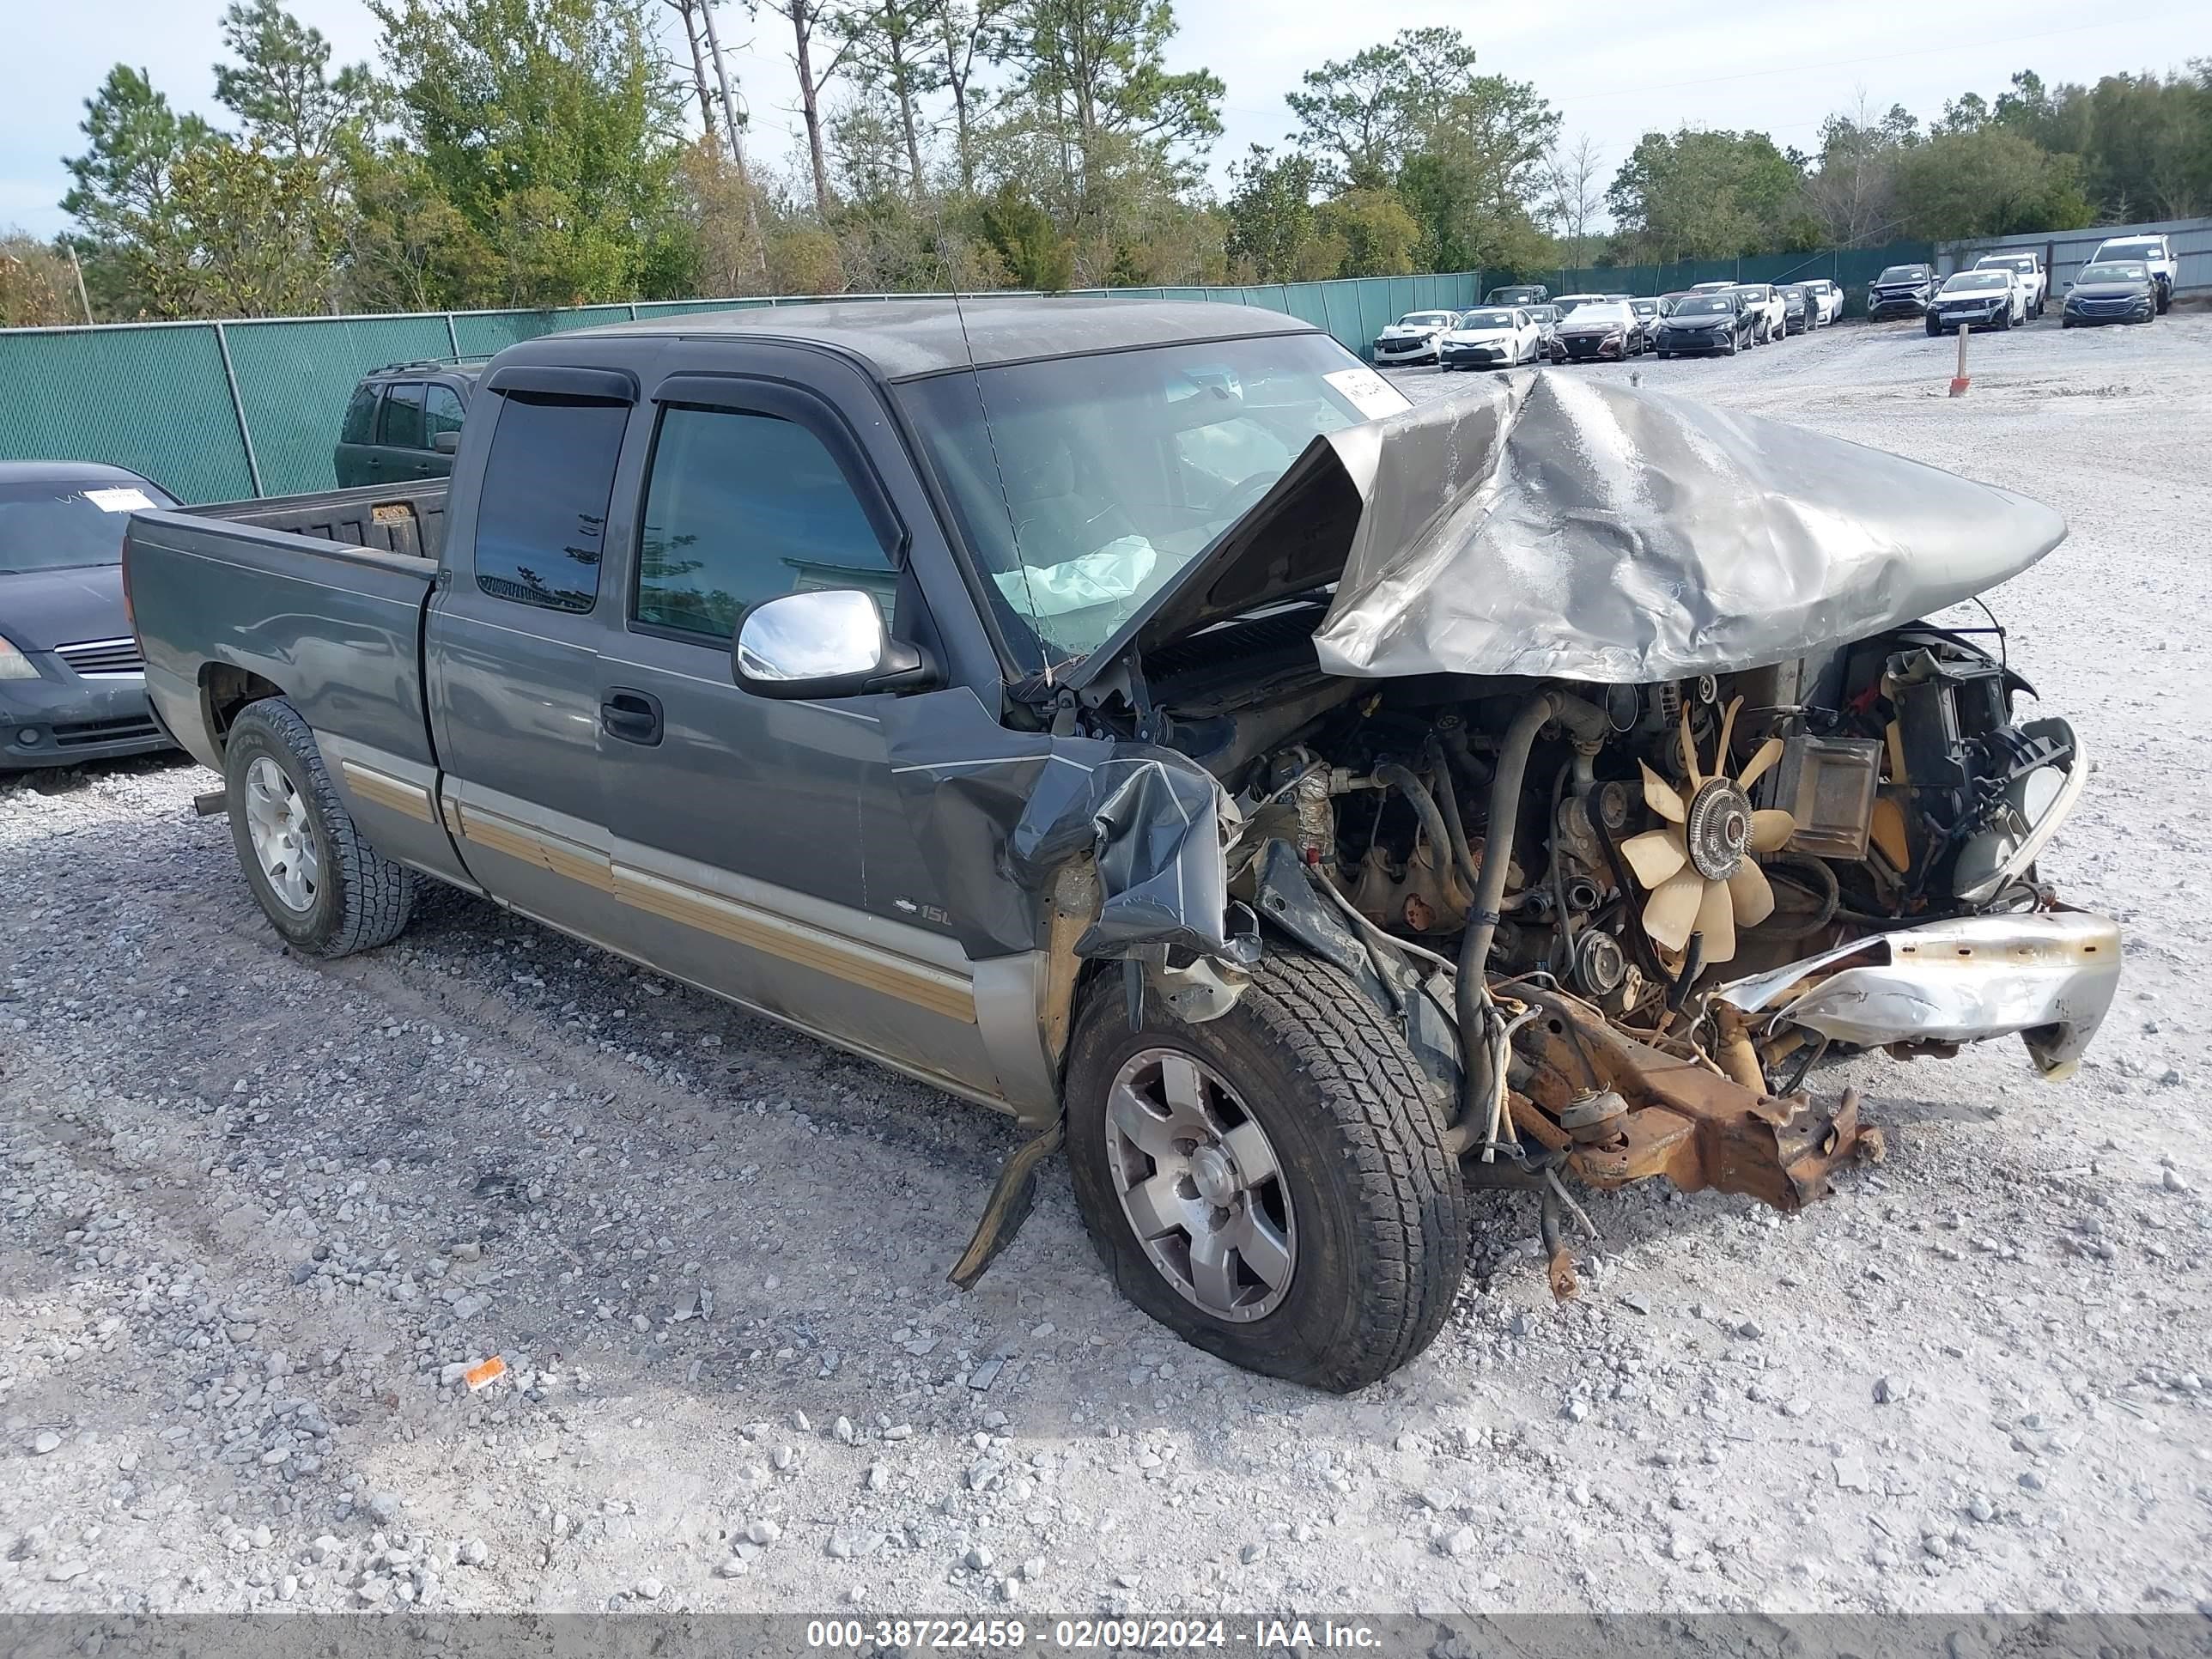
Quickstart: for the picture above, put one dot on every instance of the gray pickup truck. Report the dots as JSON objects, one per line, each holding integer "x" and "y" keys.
{"x": 1307, "y": 809}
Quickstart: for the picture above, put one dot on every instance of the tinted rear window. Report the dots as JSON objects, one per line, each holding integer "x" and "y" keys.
{"x": 360, "y": 426}
{"x": 542, "y": 521}
{"x": 403, "y": 416}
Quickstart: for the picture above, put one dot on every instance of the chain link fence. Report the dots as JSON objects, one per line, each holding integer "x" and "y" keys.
{"x": 218, "y": 411}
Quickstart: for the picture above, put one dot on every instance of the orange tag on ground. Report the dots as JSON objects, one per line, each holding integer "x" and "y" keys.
{"x": 478, "y": 1377}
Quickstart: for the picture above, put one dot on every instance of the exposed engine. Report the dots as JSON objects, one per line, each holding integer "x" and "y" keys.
{"x": 1619, "y": 926}
{"x": 1677, "y": 830}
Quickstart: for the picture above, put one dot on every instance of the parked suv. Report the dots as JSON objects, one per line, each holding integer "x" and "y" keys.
{"x": 405, "y": 422}
{"x": 2155, "y": 251}
{"x": 2026, "y": 267}
{"x": 1900, "y": 291}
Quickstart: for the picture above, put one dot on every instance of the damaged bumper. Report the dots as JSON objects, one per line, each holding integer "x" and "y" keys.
{"x": 2047, "y": 977}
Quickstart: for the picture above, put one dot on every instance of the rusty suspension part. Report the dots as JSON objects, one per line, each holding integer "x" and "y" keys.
{"x": 1683, "y": 1121}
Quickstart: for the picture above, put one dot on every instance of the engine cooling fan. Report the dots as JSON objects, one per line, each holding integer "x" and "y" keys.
{"x": 1698, "y": 867}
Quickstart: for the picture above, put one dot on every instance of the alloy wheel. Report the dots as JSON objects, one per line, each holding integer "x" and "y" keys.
{"x": 283, "y": 834}
{"x": 1200, "y": 1185}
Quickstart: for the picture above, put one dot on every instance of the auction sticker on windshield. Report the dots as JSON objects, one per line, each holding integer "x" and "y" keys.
{"x": 128, "y": 499}
{"x": 1370, "y": 394}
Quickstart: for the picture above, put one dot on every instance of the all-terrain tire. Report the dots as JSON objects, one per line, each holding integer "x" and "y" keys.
{"x": 1381, "y": 1209}
{"x": 360, "y": 899}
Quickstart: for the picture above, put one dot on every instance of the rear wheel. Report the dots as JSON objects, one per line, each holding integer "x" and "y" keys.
{"x": 1273, "y": 1185}
{"x": 317, "y": 879}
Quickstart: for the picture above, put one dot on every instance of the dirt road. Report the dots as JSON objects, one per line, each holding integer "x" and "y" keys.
{"x": 258, "y": 1216}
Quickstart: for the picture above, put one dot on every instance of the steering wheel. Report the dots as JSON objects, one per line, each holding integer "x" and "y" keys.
{"x": 1245, "y": 493}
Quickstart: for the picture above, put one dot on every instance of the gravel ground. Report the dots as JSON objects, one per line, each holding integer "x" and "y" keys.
{"x": 257, "y": 1215}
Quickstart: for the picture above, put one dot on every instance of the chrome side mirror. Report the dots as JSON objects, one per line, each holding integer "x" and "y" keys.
{"x": 828, "y": 643}
{"x": 446, "y": 443}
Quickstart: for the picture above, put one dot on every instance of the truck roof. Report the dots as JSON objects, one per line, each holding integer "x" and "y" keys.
{"x": 904, "y": 339}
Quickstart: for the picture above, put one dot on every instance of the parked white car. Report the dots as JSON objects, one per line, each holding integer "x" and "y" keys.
{"x": 1491, "y": 336}
{"x": 1412, "y": 338}
{"x": 1713, "y": 287}
{"x": 1978, "y": 299}
{"x": 1769, "y": 318}
{"x": 1828, "y": 301}
{"x": 2154, "y": 250}
{"x": 2026, "y": 266}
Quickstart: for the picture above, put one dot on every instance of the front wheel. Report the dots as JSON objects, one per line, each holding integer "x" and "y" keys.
{"x": 319, "y": 883}
{"x": 1273, "y": 1186}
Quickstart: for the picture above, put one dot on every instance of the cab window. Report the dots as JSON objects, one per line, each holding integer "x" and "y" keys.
{"x": 542, "y": 508}
{"x": 741, "y": 508}
{"x": 403, "y": 416}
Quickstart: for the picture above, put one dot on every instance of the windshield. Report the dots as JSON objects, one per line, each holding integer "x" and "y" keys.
{"x": 68, "y": 522}
{"x": 1705, "y": 305}
{"x": 1098, "y": 478}
{"x": 2130, "y": 250}
{"x": 2006, "y": 261}
{"x": 2128, "y": 271}
{"x": 1970, "y": 281}
{"x": 1426, "y": 319}
{"x": 1903, "y": 273}
{"x": 1752, "y": 296}
{"x": 1512, "y": 296}
{"x": 1645, "y": 307}
{"x": 1475, "y": 320}
{"x": 1545, "y": 314}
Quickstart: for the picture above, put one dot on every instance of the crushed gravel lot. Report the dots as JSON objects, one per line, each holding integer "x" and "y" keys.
{"x": 259, "y": 1215}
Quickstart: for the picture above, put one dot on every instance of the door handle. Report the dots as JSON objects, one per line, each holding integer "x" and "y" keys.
{"x": 632, "y": 716}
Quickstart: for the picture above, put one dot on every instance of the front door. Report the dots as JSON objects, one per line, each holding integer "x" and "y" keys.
{"x": 762, "y": 845}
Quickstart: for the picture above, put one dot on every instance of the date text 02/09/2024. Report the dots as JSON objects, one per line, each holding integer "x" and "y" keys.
{"x": 1256, "y": 1634}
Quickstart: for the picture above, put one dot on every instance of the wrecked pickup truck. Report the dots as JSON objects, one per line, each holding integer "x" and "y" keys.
{"x": 1307, "y": 810}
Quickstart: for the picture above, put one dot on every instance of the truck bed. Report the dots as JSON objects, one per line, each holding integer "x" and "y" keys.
{"x": 408, "y": 519}
{"x": 320, "y": 597}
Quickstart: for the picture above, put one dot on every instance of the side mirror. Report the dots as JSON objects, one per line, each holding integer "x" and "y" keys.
{"x": 446, "y": 443}
{"x": 826, "y": 643}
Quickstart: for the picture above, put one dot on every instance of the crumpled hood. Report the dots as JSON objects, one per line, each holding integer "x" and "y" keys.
{"x": 1550, "y": 525}
{"x": 42, "y": 609}
{"x": 1543, "y": 525}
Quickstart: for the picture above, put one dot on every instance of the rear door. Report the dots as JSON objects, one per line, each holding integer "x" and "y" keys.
{"x": 513, "y": 644}
{"x": 763, "y": 844}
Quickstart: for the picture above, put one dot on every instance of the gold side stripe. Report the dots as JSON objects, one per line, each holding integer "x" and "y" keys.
{"x": 549, "y": 853}
{"x": 943, "y": 993}
{"x": 382, "y": 789}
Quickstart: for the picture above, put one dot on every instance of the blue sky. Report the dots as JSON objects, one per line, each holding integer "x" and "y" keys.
{"x": 1614, "y": 71}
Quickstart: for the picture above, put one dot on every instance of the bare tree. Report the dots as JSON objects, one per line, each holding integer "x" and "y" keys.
{"x": 968, "y": 36}
{"x": 1852, "y": 194}
{"x": 1573, "y": 195}
{"x": 688, "y": 10}
{"x": 805, "y": 17}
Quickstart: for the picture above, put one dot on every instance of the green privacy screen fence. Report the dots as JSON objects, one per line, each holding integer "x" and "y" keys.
{"x": 217, "y": 412}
